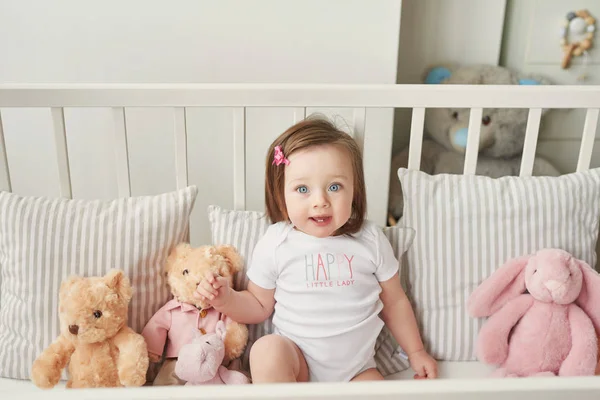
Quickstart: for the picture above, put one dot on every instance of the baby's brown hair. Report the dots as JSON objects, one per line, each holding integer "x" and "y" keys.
{"x": 310, "y": 132}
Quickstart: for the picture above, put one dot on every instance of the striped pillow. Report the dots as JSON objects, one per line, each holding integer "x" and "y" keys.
{"x": 467, "y": 226}
{"x": 243, "y": 229}
{"x": 44, "y": 240}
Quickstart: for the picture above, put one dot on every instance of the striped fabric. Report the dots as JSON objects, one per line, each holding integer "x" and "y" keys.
{"x": 44, "y": 240}
{"x": 467, "y": 226}
{"x": 243, "y": 229}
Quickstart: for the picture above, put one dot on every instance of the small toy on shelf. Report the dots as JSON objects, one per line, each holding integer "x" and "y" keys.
{"x": 577, "y": 37}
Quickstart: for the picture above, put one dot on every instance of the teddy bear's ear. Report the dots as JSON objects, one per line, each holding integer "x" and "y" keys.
{"x": 180, "y": 252}
{"x": 232, "y": 257}
{"x": 533, "y": 79}
{"x": 117, "y": 281}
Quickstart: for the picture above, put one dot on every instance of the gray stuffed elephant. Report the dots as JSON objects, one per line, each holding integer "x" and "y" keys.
{"x": 446, "y": 130}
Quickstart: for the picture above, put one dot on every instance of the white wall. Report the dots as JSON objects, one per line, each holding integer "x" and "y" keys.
{"x": 199, "y": 41}
{"x": 333, "y": 41}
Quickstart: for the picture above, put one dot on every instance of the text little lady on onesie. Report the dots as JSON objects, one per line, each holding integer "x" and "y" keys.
{"x": 328, "y": 276}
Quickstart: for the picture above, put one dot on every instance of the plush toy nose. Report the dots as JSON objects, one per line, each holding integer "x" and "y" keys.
{"x": 460, "y": 137}
{"x": 74, "y": 329}
{"x": 553, "y": 285}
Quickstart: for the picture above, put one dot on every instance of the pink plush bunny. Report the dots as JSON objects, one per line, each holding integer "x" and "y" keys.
{"x": 552, "y": 329}
{"x": 199, "y": 362}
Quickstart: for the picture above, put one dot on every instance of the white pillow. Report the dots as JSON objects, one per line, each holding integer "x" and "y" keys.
{"x": 44, "y": 240}
{"x": 243, "y": 229}
{"x": 467, "y": 226}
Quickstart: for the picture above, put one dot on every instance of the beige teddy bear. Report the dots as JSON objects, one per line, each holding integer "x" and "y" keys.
{"x": 102, "y": 351}
{"x": 175, "y": 324}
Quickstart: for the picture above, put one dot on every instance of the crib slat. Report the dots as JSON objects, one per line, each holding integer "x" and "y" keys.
{"x": 416, "y": 138}
{"x": 299, "y": 114}
{"x": 531, "y": 137}
{"x": 181, "y": 164}
{"x": 121, "y": 153}
{"x": 376, "y": 161}
{"x": 5, "y": 179}
{"x": 359, "y": 117}
{"x": 472, "y": 151}
{"x": 587, "y": 139}
{"x": 239, "y": 158}
{"x": 62, "y": 155}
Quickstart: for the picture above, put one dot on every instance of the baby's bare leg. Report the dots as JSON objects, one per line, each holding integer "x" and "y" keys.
{"x": 274, "y": 358}
{"x": 369, "y": 375}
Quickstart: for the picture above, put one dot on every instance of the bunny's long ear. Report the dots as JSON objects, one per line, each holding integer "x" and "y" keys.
{"x": 506, "y": 283}
{"x": 589, "y": 297}
{"x": 221, "y": 330}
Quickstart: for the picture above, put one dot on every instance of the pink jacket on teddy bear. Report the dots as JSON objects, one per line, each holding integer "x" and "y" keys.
{"x": 172, "y": 324}
{"x": 551, "y": 330}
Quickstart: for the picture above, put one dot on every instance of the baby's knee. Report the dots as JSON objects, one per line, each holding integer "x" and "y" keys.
{"x": 270, "y": 347}
{"x": 274, "y": 355}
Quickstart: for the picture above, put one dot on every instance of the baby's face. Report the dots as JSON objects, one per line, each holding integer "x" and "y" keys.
{"x": 319, "y": 188}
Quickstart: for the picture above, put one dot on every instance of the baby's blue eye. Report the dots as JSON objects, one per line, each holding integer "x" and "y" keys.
{"x": 334, "y": 188}
{"x": 302, "y": 189}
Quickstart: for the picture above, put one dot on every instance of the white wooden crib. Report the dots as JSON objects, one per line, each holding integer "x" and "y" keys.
{"x": 215, "y": 136}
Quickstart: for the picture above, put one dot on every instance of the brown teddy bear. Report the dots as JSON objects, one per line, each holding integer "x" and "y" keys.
{"x": 102, "y": 351}
{"x": 176, "y": 322}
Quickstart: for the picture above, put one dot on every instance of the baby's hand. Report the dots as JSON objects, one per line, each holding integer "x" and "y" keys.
{"x": 213, "y": 289}
{"x": 423, "y": 364}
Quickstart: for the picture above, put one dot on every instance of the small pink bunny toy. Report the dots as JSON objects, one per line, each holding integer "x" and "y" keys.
{"x": 552, "y": 329}
{"x": 199, "y": 362}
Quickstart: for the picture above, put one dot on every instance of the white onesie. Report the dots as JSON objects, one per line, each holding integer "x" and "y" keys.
{"x": 327, "y": 294}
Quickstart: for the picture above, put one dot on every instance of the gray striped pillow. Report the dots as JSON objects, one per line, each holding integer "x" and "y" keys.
{"x": 44, "y": 240}
{"x": 243, "y": 229}
{"x": 467, "y": 226}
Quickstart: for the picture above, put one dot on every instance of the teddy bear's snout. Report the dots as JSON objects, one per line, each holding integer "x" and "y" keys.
{"x": 460, "y": 138}
{"x": 74, "y": 329}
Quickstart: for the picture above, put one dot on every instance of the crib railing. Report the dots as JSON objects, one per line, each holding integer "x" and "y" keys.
{"x": 123, "y": 177}
{"x": 376, "y": 143}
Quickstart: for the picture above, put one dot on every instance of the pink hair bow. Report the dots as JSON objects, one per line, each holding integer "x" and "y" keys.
{"x": 279, "y": 158}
